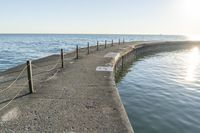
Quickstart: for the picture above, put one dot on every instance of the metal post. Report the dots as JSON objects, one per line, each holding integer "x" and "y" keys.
{"x": 97, "y": 45}
{"x": 88, "y": 48}
{"x": 123, "y": 41}
{"x": 112, "y": 43}
{"x": 76, "y": 51}
{"x": 105, "y": 43}
{"x": 30, "y": 79}
{"x": 115, "y": 70}
{"x": 123, "y": 62}
{"x": 62, "y": 58}
{"x": 119, "y": 41}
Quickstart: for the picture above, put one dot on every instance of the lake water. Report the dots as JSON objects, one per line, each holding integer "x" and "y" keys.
{"x": 161, "y": 92}
{"x": 16, "y": 49}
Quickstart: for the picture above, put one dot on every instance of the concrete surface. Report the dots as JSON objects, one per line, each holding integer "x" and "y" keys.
{"x": 74, "y": 99}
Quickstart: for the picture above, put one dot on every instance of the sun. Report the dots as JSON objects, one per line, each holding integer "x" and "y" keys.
{"x": 190, "y": 8}
{"x": 188, "y": 14}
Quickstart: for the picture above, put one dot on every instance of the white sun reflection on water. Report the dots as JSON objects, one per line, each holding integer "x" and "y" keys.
{"x": 192, "y": 63}
{"x": 193, "y": 37}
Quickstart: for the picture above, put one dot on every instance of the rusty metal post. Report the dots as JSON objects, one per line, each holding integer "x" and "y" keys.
{"x": 112, "y": 43}
{"x": 62, "y": 58}
{"x": 97, "y": 45}
{"x": 77, "y": 52}
{"x": 88, "y": 48}
{"x": 30, "y": 79}
{"x": 123, "y": 62}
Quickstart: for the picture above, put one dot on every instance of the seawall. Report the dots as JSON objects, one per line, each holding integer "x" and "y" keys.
{"x": 81, "y": 97}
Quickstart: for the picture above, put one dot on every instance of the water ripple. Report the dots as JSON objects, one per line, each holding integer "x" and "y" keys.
{"x": 14, "y": 47}
{"x": 161, "y": 93}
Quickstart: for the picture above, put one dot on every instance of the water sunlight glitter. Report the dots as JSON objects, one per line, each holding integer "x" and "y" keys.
{"x": 192, "y": 63}
{"x": 193, "y": 37}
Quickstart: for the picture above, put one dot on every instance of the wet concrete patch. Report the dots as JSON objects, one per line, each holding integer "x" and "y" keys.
{"x": 1, "y": 77}
{"x": 104, "y": 69}
{"x": 114, "y": 55}
{"x": 111, "y": 55}
{"x": 10, "y": 115}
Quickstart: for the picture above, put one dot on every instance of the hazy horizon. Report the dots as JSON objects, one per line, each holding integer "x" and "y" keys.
{"x": 142, "y": 17}
{"x": 89, "y": 34}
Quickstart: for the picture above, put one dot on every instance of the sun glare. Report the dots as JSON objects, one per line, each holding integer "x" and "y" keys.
{"x": 193, "y": 37}
{"x": 192, "y": 63}
{"x": 190, "y": 8}
{"x": 188, "y": 14}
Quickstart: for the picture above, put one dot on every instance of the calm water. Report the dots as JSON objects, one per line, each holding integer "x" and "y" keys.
{"x": 16, "y": 49}
{"x": 161, "y": 93}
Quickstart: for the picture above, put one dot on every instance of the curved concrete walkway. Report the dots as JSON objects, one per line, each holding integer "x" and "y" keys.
{"x": 74, "y": 99}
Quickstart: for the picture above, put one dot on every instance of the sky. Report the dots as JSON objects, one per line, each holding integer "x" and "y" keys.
{"x": 180, "y": 17}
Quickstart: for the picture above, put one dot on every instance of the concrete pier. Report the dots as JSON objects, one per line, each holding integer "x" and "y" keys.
{"x": 77, "y": 98}
{"x": 81, "y": 97}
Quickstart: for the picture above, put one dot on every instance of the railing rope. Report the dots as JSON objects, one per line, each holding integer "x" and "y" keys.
{"x": 61, "y": 57}
{"x": 14, "y": 96}
{"x": 57, "y": 62}
{"x": 14, "y": 80}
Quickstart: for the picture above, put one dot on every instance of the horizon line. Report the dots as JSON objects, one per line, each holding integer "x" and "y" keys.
{"x": 92, "y": 34}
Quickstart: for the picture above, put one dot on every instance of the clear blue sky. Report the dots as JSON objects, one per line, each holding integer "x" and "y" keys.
{"x": 100, "y": 16}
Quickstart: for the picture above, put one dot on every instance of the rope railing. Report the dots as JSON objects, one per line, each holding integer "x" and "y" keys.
{"x": 17, "y": 94}
{"x": 52, "y": 76}
{"x": 52, "y": 68}
{"x": 61, "y": 61}
{"x": 7, "y": 88}
{"x": 57, "y": 62}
